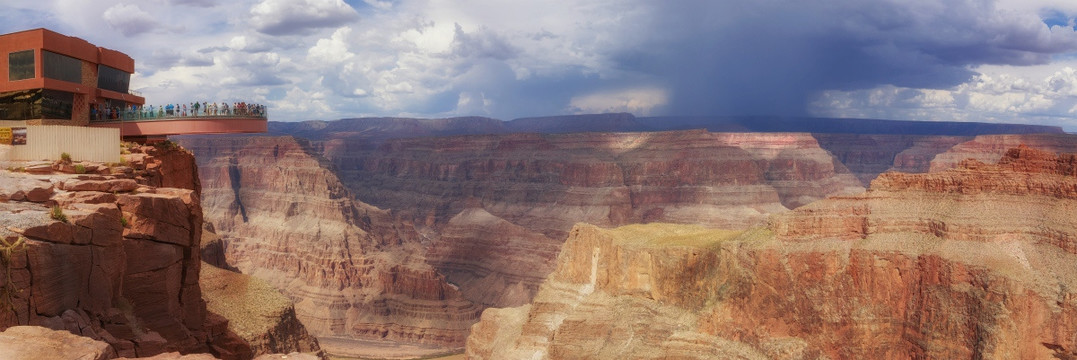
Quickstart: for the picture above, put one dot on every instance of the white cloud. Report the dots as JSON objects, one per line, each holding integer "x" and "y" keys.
{"x": 282, "y": 17}
{"x": 129, "y": 19}
{"x": 642, "y": 101}
{"x": 318, "y": 59}
{"x": 1039, "y": 94}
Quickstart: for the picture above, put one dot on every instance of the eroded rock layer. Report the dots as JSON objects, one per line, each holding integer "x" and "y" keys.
{"x": 497, "y": 207}
{"x": 104, "y": 255}
{"x": 867, "y": 156}
{"x": 351, "y": 269}
{"x": 990, "y": 148}
{"x": 973, "y": 262}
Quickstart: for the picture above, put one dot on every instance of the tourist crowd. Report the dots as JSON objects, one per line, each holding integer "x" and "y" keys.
{"x": 193, "y": 109}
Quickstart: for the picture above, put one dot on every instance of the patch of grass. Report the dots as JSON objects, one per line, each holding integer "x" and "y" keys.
{"x": 80, "y": 169}
{"x": 57, "y": 213}
{"x": 65, "y": 157}
{"x": 123, "y": 221}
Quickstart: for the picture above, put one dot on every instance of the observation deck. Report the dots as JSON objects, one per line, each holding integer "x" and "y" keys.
{"x": 143, "y": 125}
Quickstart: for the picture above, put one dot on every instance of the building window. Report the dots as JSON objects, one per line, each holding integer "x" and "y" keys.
{"x": 56, "y": 104}
{"x": 20, "y": 65}
{"x": 109, "y": 78}
{"x": 61, "y": 67}
{"x": 20, "y": 105}
{"x": 36, "y": 104}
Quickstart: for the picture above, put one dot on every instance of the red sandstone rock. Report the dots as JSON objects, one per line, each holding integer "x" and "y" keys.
{"x": 111, "y": 185}
{"x": 25, "y": 189}
{"x": 966, "y": 263}
{"x": 38, "y": 343}
{"x": 990, "y": 148}
{"x": 121, "y": 269}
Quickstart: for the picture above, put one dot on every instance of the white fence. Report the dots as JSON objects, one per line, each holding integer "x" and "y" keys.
{"x": 47, "y": 142}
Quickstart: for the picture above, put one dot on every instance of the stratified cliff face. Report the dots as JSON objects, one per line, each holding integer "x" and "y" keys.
{"x": 989, "y": 148}
{"x": 497, "y": 207}
{"x": 104, "y": 255}
{"x": 350, "y": 268}
{"x": 968, "y": 263}
{"x": 867, "y": 156}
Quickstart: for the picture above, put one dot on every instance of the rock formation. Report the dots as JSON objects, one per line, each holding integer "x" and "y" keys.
{"x": 989, "y": 148}
{"x": 105, "y": 257}
{"x": 967, "y": 263}
{"x": 351, "y": 269}
{"x": 256, "y": 311}
{"x": 868, "y": 155}
{"x": 38, "y": 343}
{"x": 531, "y": 188}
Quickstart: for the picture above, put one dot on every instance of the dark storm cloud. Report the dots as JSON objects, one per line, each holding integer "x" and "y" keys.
{"x": 771, "y": 57}
{"x": 482, "y": 43}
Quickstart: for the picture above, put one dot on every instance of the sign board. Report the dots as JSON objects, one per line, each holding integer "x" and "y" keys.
{"x": 5, "y": 136}
{"x": 18, "y": 136}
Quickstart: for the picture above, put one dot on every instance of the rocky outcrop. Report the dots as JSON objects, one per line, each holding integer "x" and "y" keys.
{"x": 966, "y": 263}
{"x": 38, "y": 343}
{"x": 256, "y": 311}
{"x": 103, "y": 257}
{"x": 350, "y": 268}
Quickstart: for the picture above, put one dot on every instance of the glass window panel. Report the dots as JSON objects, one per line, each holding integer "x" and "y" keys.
{"x": 21, "y": 105}
{"x": 61, "y": 67}
{"x": 57, "y": 104}
{"x": 20, "y": 65}
{"x": 109, "y": 78}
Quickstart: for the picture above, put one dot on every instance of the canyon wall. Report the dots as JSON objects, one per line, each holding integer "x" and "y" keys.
{"x": 966, "y": 263}
{"x": 989, "y": 148}
{"x": 496, "y": 208}
{"x": 351, "y": 269}
{"x": 868, "y": 155}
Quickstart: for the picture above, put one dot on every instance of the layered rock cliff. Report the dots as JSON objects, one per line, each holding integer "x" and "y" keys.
{"x": 351, "y": 269}
{"x": 967, "y": 263}
{"x": 868, "y": 155}
{"x": 104, "y": 255}
{"x": 497, "y": 207}
{"x": 990, "y": 148}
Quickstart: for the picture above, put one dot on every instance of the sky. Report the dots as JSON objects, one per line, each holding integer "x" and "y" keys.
{"x": 962, "y": 60}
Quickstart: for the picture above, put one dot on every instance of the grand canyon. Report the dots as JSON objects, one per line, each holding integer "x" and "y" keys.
{"x": 594, "y": 236}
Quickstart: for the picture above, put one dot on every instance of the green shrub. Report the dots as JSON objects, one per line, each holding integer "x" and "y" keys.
{"x": 65, "y": 157}
{"x": 79, "y": 169}
{"x": 58, "y": 214}
{"x": 123, "y": 221}
{"x": 165, "y": 145}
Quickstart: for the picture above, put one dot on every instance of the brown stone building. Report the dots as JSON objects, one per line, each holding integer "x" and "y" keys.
{"x": 47, "y": 78}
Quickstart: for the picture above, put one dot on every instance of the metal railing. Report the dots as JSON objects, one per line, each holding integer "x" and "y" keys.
{"x": 173, "y": 112}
